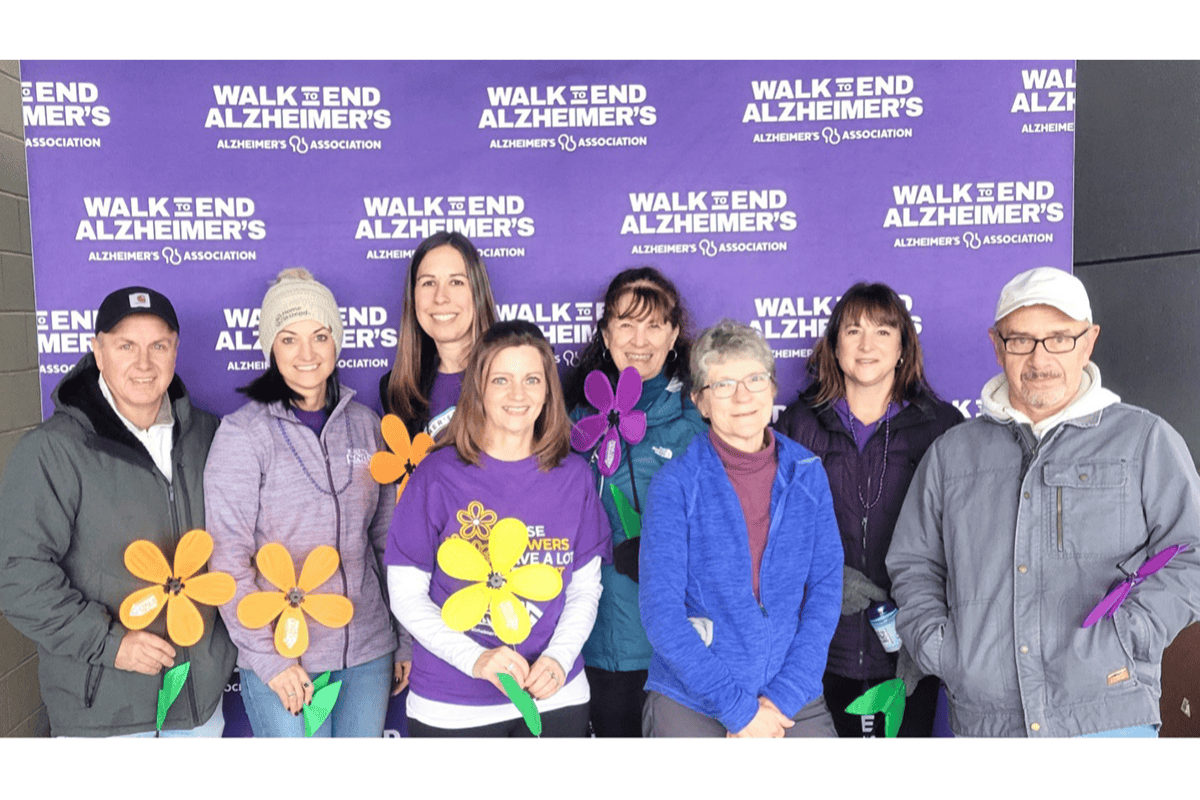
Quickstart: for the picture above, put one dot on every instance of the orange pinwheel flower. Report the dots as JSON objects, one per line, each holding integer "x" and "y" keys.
{"x": 291, "y": 632}
{"x": 176, "y": 589}
{"x": 398, "y": 465}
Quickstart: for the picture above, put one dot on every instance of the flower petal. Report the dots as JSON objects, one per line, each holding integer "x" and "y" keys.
{"x": 508, "y": 541}
{"x": 211, "y": 588}
{"x": 464, "y": 609}
{"x": 420, "y": 447}
{"x": 319, "y": 567}
{"x": 396, "y": 435}
{"x": 386, "y": 467}
{"x": 291, "y": 633}
{"x": 629, "y": 389}
{"x": 587, "y": 431}
{"x": 192, "y": 553}
{"x": 184, "y": 624}
{"x": 510, "y": 620}
{"x": 143, "y": 606}
{"x": 331, "y": 610}
{"x": 598, "y": 391}
{"x": 632, "y": 426}
{"x": 258, "y": 609}
{"x": 275, "y": 564}
{"x": 460, "y": 559}
{"x": 609, "y": 455}
{"x": 536, "y": 581}
{"x": 147, "y": 562}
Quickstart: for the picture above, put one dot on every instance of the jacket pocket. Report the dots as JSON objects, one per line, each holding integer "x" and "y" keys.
{"x": 1085, "y": 508}
{"x": 976, "y": 658}
{"x": 91, "y": 683}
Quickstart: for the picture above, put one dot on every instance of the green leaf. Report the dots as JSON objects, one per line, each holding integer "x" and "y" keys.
{"x": 321, "y": 706}
{"x": 523, "y": 702}
{"x": 887, "y": 697}
{"x": 173, "y": 680}
{"x": 631, "y": 520}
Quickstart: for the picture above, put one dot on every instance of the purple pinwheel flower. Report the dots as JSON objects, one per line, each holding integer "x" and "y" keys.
{"x": 1112, "y": 601}
{"x": 615, "y": 421}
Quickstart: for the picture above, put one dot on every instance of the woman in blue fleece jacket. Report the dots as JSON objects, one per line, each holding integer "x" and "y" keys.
{"x": 741, "y": 563}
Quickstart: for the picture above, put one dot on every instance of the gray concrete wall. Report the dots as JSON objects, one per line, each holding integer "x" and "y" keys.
{"x": 21, "y": 709}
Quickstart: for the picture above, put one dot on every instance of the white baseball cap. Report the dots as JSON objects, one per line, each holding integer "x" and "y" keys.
{"x": 1045, "y": 286}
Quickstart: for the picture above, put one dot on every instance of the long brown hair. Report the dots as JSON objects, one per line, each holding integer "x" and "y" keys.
{"x": 551, "y": 430}
{"x": 650, "y": 293}
{"x": 415, "y": 366}
{"x": 879, "y": 304}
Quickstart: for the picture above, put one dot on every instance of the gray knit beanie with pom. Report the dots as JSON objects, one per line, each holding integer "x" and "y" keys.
{"x": 297, "y": 295}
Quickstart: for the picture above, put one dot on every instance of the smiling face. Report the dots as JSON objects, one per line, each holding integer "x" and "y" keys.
{"x": 640, "y": 343}
{"x": 868, "y": 353}
{"x": 740, "y": 421}
{"x": 442, "y": 297}
{"x": 1040, "y": 384}
{"x": 137, "y": 360}
{"x": 305, "y": 355}
{"x": 514, "y": 393}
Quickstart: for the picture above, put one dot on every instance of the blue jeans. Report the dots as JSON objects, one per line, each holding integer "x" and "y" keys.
{"x": 1132, "y": 732}
{"x": 214, "y": 727}
{"x": 359, "y": 710}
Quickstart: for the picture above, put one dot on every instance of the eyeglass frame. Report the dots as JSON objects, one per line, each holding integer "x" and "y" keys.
{"x": 1074, "y": 343}
{"x": 741, "y": 381}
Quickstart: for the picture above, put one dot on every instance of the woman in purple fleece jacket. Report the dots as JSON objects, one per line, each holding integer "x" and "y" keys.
{"x": 290, "y": 467}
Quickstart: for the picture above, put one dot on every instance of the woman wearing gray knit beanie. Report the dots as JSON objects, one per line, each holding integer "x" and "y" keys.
{"x": 290, "y": 468}
{"x": 448, "y": 305}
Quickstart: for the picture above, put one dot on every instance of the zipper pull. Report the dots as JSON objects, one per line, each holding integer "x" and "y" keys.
{"x": 762, "y": 608}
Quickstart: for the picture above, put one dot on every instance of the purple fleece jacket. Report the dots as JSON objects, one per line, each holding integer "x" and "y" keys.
{"x": 269, "y": 478}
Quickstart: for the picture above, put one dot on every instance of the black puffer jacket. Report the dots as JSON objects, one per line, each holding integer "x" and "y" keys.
{"x": 855, "y": 651}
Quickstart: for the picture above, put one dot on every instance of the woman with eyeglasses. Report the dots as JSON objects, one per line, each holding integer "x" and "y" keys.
{"x": 741, "y": 563}
{"x": 870, "y": 415}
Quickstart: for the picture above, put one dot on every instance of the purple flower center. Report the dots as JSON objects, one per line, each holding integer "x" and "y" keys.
{"x": 614, "y": 417}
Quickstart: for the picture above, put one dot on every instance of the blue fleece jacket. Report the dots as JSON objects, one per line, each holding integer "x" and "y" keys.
{"x": 695, "y": 563}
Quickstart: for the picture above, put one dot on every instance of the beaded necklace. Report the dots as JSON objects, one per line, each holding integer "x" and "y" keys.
{"x": 887, "y": 431}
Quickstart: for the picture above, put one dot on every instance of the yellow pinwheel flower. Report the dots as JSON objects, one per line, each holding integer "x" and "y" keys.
{"x": 294, "y": 597}
{"x": 476, "y": 521}
{"x": 498, "y": 584}
{"x": 399, "y": 464}
{"x": 176, "y": 589}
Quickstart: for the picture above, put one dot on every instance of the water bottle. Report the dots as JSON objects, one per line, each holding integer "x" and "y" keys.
{"x": 883, "y": 620}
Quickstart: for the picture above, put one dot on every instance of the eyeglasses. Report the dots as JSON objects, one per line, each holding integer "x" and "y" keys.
{"x": 723, "y": 390}
{"x": 1057, "y": 344}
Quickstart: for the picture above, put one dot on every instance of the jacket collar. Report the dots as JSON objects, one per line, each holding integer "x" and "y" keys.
{"x": 78, "y": 395}
{"x": 918, "y": 411}
{"x": 345, "y": 394}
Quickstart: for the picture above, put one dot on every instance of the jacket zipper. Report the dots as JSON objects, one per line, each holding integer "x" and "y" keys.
{"x": 89, "y": 688}
{"x": 182, "y": 654}
{"x": 337, "y": 519}
{"x": 1060, "y": 531}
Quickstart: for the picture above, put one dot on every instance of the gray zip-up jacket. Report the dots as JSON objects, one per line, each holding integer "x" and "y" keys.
{"x": 1005, "y": 543}
{"x": 77, "y": 490}
{"x": 271, "y": 479}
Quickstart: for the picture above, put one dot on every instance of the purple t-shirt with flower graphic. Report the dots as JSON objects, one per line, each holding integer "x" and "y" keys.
{"x": 446, "y": 498}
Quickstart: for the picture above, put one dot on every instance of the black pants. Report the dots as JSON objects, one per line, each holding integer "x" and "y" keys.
{"x": 557, "y": 724}
{"x": 617, "y": 700}
{"x": 919, "y": 709}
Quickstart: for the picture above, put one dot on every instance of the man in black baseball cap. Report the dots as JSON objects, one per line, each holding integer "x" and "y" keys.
{"x": 121, "y": 459}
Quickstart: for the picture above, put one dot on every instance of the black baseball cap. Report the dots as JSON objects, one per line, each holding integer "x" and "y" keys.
{"x": 134, "y": 300}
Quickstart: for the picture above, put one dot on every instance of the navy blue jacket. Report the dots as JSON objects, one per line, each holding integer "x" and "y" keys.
{"x": 695, "y": 563}
{"x": 855, "y": 651}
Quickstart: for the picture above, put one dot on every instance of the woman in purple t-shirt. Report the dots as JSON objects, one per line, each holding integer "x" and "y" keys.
{"x": 447, "y": 306}
{"x": 494, "y": 552}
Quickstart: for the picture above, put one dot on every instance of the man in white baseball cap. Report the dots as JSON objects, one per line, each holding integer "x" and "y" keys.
{"x": 1020, "y": 521}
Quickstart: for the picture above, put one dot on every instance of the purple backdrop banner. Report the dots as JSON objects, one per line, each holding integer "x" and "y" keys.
{"x": 764, "y": 189}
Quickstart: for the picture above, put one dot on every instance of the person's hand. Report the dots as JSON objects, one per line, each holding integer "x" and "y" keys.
{"x": 145, "y": 653}
{"x": 858, "y": 591}
{"x": 546, "y": 677}
{"x": 293, "y": 687}
{"x": 400, "y": 676}
{"x": 769, "y": 722}
{"x": 501, "y": 659}
{"x": 908, "y": 671}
